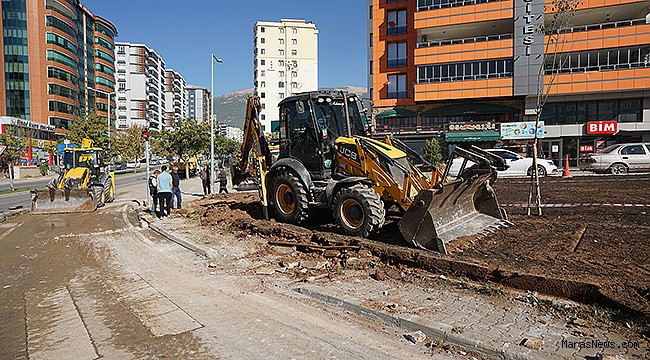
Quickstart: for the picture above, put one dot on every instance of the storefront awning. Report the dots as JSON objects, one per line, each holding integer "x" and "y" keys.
{"x": 396, "y": 112}
{"x": 470, "y": 109}
{"x": 471, "y": 136}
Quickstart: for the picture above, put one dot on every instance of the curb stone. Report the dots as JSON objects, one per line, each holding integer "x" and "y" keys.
{"x": 199, "y": 250}
{"x": 506, "y": 352}
{"x": 12, "y": 213}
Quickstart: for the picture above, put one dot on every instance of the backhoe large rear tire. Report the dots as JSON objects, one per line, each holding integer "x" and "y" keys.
{"x": 359, "y": 211}
{"x": 289, "y": 199}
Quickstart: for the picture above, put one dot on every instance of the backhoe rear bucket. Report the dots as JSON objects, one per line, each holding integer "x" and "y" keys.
{"x": 462, "y": 207}
{"x": 56, "y": 201}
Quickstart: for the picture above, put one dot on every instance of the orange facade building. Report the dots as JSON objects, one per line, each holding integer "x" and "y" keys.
{"x": 440, "y": 66}
{"x": 57, "y": 65}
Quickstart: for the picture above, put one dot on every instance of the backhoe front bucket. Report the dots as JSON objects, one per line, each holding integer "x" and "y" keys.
{"x": 462, "y": 207}
{"x": 55, "y": 201}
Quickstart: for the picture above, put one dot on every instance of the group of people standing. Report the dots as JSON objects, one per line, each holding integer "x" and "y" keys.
{"x": 164, "y": 188}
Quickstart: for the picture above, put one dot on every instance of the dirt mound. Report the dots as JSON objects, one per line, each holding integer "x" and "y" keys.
{"x": 589, "y": 254}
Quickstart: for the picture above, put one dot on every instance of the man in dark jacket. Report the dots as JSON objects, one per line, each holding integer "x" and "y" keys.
{"x": 223, "y": 180}
{"x": 153, "y": 190}
{"x": 176, "y": 188}
{"x": 205, "y": 179}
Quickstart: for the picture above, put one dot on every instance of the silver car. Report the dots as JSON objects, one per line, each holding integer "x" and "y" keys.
{"x": 618, "y": 159}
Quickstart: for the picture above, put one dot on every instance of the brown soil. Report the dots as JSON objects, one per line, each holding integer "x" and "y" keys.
{"x": 596, "y": 255}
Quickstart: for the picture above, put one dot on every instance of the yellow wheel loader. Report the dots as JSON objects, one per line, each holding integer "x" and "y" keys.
{"x": 85, "y": 183}
{"x": 327, "y": 161}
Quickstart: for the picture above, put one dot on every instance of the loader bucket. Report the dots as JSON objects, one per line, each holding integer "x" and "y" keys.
{"x": 57, "y": 201}
{"x": 462, "y": 207}
{"x": 243, "y": 181}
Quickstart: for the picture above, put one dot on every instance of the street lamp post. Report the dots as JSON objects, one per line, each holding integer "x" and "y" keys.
{"x": 212, "y": 116}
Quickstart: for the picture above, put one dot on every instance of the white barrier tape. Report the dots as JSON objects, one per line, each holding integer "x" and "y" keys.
{"x": 573, "y": 205}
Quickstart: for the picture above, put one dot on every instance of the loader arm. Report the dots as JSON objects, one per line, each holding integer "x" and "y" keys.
{"x": 255, "y": 158}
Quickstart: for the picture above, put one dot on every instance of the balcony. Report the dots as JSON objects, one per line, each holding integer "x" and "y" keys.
{"x": 424, "y": 5}
{"x": 396, "y": 63}
{"x": 602, "y": 36}
{"x": 494, "y": 87}
{"x": 470, "y": 12}
{"x": 597, "y": 82}
{"x": 470, "y": 40}
{"x": 460, "y": 50}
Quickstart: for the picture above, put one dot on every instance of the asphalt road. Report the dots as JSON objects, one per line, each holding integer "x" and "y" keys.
{"x": 22, "y": 199}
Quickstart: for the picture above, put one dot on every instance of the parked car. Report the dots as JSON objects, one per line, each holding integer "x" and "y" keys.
{"x": 133, "y": 165}
{"x": 120, "y": 165}
{"x": 519, "y": 165}
{"x": 618, "y": 159}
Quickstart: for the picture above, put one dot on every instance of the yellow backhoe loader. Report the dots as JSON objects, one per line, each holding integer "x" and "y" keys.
{"x": 84, "y": 184}
{"x": 327, "y": 160}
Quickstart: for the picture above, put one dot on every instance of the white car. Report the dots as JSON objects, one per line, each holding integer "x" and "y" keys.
{"x": 519, "y": 165}
{"x": 132, "y": 165}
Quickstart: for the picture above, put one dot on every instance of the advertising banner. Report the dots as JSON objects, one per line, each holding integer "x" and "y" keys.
{"x": 521, "y": 130}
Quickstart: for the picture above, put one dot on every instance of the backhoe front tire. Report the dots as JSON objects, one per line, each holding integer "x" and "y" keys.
{"x": 359, "y": 211}
{"x": 289, "y": 199}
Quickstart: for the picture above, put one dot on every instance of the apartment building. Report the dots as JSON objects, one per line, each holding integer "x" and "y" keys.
{"x": 57, "y": 65}
{"x": 461, "y": 69}
{"x": 231, "y": 132}
{"x": 140, "y": 86}
{"x": 198, "y": 103}
{"x": 175, "y": 101}
{"x": 285, "y": 63}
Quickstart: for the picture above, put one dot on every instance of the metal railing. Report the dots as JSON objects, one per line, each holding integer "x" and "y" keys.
{"x": 424, "y": 5}
{"x": 395, "y": 63}
{"x": 396, "y": 30}
{"x": 507, "y": 74}
{"x": 465, "y": 40}
{"x": 601, "y": 26}
{"x": 397, "y": 94}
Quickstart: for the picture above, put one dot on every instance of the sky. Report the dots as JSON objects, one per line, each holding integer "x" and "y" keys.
{"x": 186, "y": 33}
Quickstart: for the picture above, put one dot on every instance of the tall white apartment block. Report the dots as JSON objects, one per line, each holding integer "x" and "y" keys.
{"x": 198, "y": 103}
{"x": 286, "y": 63}
{"x": 231, "y": 132}
{"x": 140, "y": 86}
{"x": 175, "y": 101}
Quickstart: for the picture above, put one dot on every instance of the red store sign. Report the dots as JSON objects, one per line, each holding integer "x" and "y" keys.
{"x": 586, "y": 148}
{"x": 602, "y": 127}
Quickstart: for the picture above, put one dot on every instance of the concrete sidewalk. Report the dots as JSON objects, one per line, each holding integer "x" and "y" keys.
{"x": 501, "y": 324}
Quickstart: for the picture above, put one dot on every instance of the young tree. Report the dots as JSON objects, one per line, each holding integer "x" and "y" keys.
{"x": 15, "y": 145}
{"x": 128, "y": 144}
{"x": 431, "y": 151}
{"x": 554, "y": 58}
{"x": 187, "y": 139}
{"x": 91, "y": 127}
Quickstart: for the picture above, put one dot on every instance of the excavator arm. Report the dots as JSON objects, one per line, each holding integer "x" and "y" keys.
{"x": 255, "y": 159}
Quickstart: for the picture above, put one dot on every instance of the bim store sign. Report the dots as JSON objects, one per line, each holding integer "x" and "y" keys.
{"x": 521, "y": 130}
{"x": 602, "y": 128}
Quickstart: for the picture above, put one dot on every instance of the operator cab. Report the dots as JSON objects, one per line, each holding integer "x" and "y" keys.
{"x": 318, "y": 117}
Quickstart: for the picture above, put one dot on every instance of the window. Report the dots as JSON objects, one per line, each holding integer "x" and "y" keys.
{"x": 280, "y": 62}
{"x": 370, "y": 40}
{"x": 396, "y": 55}
{"x": 294, "y": 52}
{"x": 370, "y": 67}
{"x": 633, "y": 150}
{"x": 281, "y": 84}
{"x": 262, "y": 62}
{"x": 121, "y": 86}
{"x": 262, "y": 95}
{"x": 370, "y": 12}
{"x": 262, "y": 51}
{"x": 262, "y": 29}
{"x": 294, "y": 74}
{"x": 281, "y": 95}
{"x": 281, "y": 52}
{"x": 396, "y": 22}
{"x": 262, "y": 73}
{"x": 473, "y": 70}
{"x": 262, "y": 40}
{"x": 281, "y": 73}
{"x": 281, "y": 41}
{"x": 262, "y": 84}
{"x": 281, "y": 30}
{"x": 294, "y": 41}
{"x": 294, "y": 30}
{"x": 397, "y": 86}
{"x": 294, "y": 85}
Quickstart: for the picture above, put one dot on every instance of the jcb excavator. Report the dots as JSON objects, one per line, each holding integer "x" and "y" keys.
{"x": 84, "y": 184}
{"x": 327, "y": 161}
